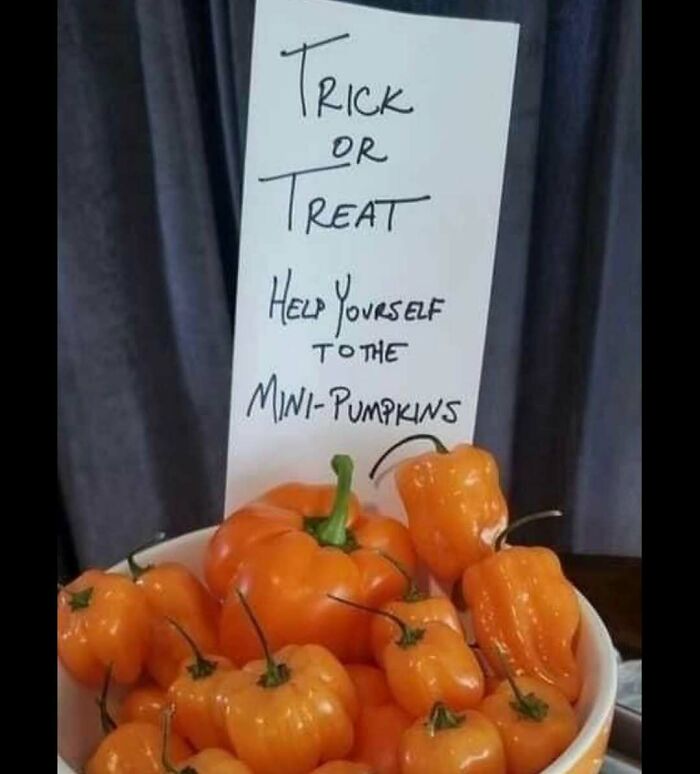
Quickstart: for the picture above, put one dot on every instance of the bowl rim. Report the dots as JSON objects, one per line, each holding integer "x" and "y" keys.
{"x": 599, "y": 714}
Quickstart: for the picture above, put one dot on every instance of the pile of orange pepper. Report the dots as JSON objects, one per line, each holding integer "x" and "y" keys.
{"x": 311, "y": 648}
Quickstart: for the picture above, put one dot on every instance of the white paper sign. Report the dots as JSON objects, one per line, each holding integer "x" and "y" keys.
{"x": 375, "y": 155}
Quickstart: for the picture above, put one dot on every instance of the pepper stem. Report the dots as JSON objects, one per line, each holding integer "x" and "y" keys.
{"x": 135, "y": 568}
{"x": 332, "y": 530}
{"x": 440, "y": 448}
{"x": 167, "y": 765}
{"x": 107, "y": 721}
{"x": 528, "y": 705}
{"x": 409, "y": 635}
{"x": 275, "y": 674}
{"x": 441, "y": 717}
{"x": 521, "y": 522}
{"x": 412, "y": 593}
{"x": 202, "y": 667}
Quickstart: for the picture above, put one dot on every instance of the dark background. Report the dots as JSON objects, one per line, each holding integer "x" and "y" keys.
{"x": 152, "y": 100}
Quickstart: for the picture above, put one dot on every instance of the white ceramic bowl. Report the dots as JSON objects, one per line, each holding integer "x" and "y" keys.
{"x": 79, "y": 727}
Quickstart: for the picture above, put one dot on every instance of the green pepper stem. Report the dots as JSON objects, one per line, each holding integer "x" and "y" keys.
{"x": 135, "y": 568}
{"x": 409, "y": 635}
{"x": 275, "y": 674}
{"x": 412, "y": 593}
{"x": 441, "y": 718}
{"x": 106, "y": 720}
{"x": 332, "y": 531}
{"x": 440, "y": 448}
{"x": 521, "y": 522}
{"x": 165, "y": 761}
{"x": 202, "y": 667}
{"x": 530, "y": 706}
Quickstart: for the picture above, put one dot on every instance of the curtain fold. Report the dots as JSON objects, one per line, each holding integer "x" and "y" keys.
{"x": 152, "y": 111}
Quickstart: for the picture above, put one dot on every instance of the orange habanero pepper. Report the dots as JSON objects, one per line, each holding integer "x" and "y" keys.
{"x": 428, "y": 664}
{"x": 287, "y": 570}
{"x": 416, "y": 609}
{"x": 381, "y": 722}
{"x": 452, "y": 744}
{"x": 213, "y": 760}
{"x": 343, "y": 767}
{"x": 291, "y": 712}
{"x": 522, "y": 605}
{"x": 535, "y": 720}
{"x": 135, "y": 747}
{"x": 453, "y": 502}
{"x": 144, "y": 703}
{"x": 193, "y": 697}
{"x": 103, "y": 619}
{"x": 173, "y": 592}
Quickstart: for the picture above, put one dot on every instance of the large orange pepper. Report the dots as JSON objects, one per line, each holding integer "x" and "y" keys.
{"x": 282, "y": 505}
{"x": 291, "y": 712}
{"x": 453, "y": 502}
{"x": 173, "y": 592}
{"x": 428, "y": 664}
{"x": 193, "y": 695}
{"x": 286, "y": 565}
{"x": 136, "y": 747}
{"x": 144, "y": 703}
{"x": 103, "y": 619}
{"x": 416, "y": 609}
{"x": 448, "y": 743}
{"x": 522, "y": 605}
{"x": 535, "y": 720}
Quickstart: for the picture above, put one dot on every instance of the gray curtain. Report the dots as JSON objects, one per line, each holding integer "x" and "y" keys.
{"x": 152, "y": 102}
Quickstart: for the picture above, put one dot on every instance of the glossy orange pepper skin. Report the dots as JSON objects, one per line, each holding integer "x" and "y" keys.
{"x": 194, "y": 697}
{"x": 531, "y": 745}
{"x": 455, "y": 507}
{"x": 296, "y": 725}
{"x": 440, "y": 666}
{"x": 416, "y": 614}
{"x": 135, "y": 748}
{"x": 378, "y": 733}
{"x": 143, "y": 704}
{"x": 282, "y": 506}
{"x": 215, "y": 761}
{"x": 523, "y": 606}
{"x": 174, "y": 592}
{"x": 343, "y": 767}
{"x": 103, "y": 619}
{"x": 473, "y": 747}
{"x": 370, "y": 683}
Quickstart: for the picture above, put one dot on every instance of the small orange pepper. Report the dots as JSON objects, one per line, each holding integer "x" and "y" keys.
{"x": 522, "y": 605}
{"x": 291, "y": 712}
{"x": 370, "y": 684}
{"x": 448, "y": 743}
{"x": 535, "y": 720}
{"x": 144, "y": 703}
{"x": 343, "y": 767}
{"x": 416, "y": 609}
{"x": 135, "y": 747}
{"x": 287, "y": 565}
{"x": 213, "y": 760}
{"x": 378, "y": 733}
{"x": 173, "y": 592}
{"x": 103, "y": 619}
{"x": 454, "y": 504}
{"x": 193, "y": 696}
{"x": 428, "y": 664}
